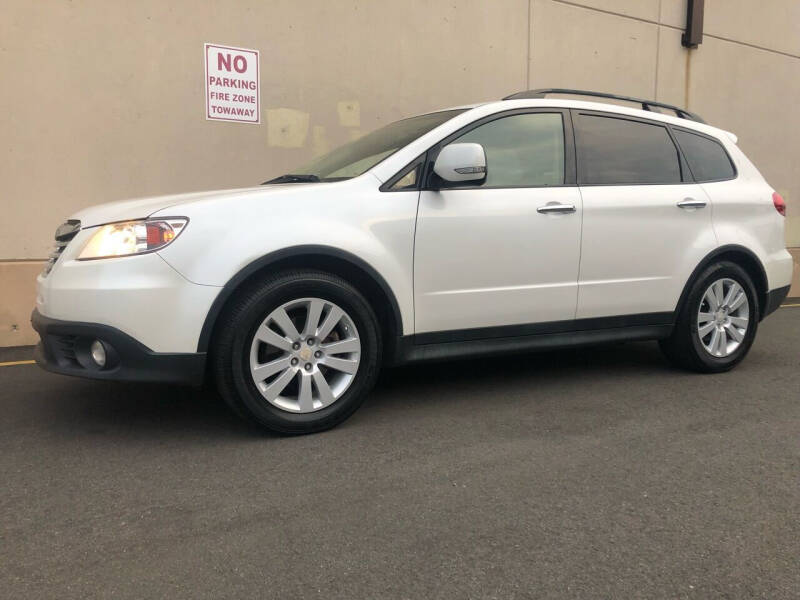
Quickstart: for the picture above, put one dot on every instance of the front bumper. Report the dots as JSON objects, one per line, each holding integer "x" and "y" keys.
{"x": 64, "y": 349}
{"x": 139, "y": 295}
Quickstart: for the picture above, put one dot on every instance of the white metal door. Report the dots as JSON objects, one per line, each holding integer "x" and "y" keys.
{"x": 489, "y": 257}
{"x": 640, "y": 244}
{"x": 645, "y": 225}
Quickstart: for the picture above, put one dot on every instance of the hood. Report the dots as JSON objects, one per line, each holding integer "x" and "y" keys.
{"x": 128, "y": 210}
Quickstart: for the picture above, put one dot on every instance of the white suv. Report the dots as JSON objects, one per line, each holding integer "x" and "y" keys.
{"x": 527, "y": 223}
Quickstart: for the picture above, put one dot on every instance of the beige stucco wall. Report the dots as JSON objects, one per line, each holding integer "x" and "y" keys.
{"x": 105, "y": 100}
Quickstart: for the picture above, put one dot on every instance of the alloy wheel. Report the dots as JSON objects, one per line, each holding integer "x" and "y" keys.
{"x": 723, "y": 317}
{"x": 305, "y": 355}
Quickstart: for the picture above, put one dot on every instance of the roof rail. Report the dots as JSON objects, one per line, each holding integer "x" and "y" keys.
{"x": 646, "y": 104}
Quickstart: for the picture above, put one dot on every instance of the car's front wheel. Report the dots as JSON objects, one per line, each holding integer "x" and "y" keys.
{"x": 718, "y": 321}
{"x": 298, "y": 352}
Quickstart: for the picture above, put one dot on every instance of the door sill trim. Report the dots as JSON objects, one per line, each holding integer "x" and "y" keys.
{"x": 409, "y": 352}
{"x": 551, "y": 327}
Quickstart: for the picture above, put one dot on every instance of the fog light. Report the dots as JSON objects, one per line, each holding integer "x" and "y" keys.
{"x": 98, "y": 353}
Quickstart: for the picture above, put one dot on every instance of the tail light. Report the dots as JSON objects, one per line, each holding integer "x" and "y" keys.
{"x": 780, "y": 205}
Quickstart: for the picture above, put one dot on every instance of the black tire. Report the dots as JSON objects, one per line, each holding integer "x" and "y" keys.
{"x": 684, "y": 348}
{"x": 234, "y": 334}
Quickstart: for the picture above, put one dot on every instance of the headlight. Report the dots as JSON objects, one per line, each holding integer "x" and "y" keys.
{"x": 132, "y": 237}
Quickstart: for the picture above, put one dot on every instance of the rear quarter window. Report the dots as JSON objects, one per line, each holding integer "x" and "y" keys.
{"x": 707, "y": 158}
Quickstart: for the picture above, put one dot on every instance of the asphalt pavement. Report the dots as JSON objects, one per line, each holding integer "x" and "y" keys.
{"x": 598, "y": 473}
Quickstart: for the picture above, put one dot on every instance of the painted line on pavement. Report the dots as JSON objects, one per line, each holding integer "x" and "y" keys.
{"x": 17, "y": 362}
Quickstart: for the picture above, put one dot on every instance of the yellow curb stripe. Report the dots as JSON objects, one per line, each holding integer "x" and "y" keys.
{"x": 789, "y": 305}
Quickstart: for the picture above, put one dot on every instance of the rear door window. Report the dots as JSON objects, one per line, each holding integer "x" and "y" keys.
{"x": 614, "y": 151}
{"x": 707, "y": 159}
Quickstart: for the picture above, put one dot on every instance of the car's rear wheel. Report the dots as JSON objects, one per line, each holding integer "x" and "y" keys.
{"x": 718, "y": 321}
{"x": 297, "y": 353}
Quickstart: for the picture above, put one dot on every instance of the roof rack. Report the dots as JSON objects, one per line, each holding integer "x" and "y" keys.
{"x": 646, "y": 104}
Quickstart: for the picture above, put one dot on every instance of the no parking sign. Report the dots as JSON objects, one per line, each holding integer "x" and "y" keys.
{"x": 232, "y": 84}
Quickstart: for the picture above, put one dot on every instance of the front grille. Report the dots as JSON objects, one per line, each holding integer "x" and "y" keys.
{"x": 64, "y": 234}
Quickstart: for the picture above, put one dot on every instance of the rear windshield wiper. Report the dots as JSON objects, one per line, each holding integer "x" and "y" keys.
{"x": 293, "y": 178}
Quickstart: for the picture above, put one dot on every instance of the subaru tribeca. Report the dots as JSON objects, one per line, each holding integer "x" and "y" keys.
{"x": 522, "y": 224}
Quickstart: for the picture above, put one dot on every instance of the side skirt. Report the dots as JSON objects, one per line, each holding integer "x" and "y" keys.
{"x": 471, "y": 343}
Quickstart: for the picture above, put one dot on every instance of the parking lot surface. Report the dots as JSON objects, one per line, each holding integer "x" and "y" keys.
{"x": 594, "y": 473}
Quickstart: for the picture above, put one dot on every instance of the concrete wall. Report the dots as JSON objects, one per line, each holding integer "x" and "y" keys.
{"x": 105, "y": 100}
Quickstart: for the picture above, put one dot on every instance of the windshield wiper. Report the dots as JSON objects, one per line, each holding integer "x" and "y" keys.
{"x": 293, "y": 178}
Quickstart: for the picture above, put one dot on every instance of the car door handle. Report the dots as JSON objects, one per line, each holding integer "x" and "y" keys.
{"x": 556, "y": 208}
{"x": 691, "y": 203}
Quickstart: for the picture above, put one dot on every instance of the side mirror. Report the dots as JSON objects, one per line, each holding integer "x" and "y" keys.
{"x": 461, "y": 162}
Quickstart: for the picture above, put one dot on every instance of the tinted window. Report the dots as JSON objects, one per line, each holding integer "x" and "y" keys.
{"x": 522, "y": 150}
{"x": 618, "y": 151}
{"x": 707, "y": 159}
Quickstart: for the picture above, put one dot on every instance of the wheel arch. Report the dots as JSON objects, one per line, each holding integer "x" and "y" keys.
{"x": 743, "y": 257}
{"x": 325, "y": 258}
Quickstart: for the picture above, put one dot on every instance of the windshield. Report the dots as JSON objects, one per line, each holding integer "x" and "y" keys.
{"x": 357, "y": 157}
